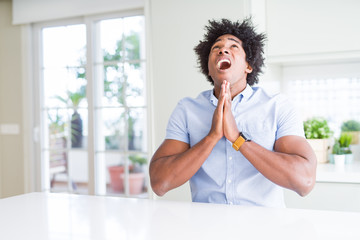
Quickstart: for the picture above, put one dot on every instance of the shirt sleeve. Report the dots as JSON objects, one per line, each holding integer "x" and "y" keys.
{"x": 289, "y": 120}
{"x": 177, "y": 125}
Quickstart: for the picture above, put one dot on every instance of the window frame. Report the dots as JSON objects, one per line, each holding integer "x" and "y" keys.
{"x": 41, "y": 181}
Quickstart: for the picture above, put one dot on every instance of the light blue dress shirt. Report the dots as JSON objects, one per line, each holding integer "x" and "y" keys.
{"x": 227, "y": 176}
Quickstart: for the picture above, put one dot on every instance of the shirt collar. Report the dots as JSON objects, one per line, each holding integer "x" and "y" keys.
{"x": 244, "y": 95}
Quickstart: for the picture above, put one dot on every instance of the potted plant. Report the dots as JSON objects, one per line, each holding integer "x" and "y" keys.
{"x": 344, "y": 141}
{"x": 341, "y": 150}
{"x": 338, "y": 154}
{"x": 136, "y": 175}
{"x": 352, "y": 127}
{"x": 73, "y": 99}
{"x": 317, "y": 133}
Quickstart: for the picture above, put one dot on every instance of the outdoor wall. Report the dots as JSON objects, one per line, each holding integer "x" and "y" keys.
{"x": 11, "y": 144}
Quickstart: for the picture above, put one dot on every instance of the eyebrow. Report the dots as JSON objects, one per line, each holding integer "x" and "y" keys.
{"x": 232, "y": 39}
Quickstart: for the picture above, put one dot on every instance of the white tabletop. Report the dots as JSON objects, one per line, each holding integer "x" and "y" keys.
{"x": 41, "y": 216}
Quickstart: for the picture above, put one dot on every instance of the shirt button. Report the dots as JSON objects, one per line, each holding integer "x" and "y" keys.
{"x": 231, "y": 203}
{"x": 229, "y": 181}
{"x": 230, "y": 157}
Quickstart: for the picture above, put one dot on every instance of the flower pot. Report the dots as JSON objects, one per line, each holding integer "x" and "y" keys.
{"x": 76, "y": 130}
{"x": 136, "y": 182}
{"x": 320, "y": 147}
{"x": 116, "y": 182}
{"x": 349, "y": 158}
{"x": 339, "y": 160}
{"x": 355, "y": 137}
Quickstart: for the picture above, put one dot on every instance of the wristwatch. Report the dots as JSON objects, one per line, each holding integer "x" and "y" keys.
{"x": 241, "y": 139}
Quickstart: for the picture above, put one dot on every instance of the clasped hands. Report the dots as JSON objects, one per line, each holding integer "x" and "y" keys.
{"x": 223, "y": 122}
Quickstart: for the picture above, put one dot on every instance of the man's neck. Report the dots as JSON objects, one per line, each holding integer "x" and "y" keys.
{"x": 235, "y": 90}
{"x": 238, "y": 88}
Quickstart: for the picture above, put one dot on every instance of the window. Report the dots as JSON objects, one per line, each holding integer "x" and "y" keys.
{"x": 331, "y": 91}
{"x": 93, "y": 113}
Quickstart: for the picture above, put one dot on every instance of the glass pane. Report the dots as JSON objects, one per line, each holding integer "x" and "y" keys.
{"x": 331, "y": 98}
{"x": 68, "y": 170}
{"x": 57, "y": 122}
{"x": 114, "y": 85}
{"x": 117, "y": 183}
{"x": 78, "y": 170}
{"x": 135, "y": 88}
{"x": 111, "y": 129}
{"x": 64, "y": 95}
{"x": 137, "y": 130}
{"x": 134, "y": 34}
{"x": 78, "y": 128}
{"x": 137, "y": 175}
{"x": 57, "y": 165}
{"x": 111, "y": 33}
{"x": 64, "y": 46}
{"x": 115, "y": 163}
{"x": 65, "y": 87}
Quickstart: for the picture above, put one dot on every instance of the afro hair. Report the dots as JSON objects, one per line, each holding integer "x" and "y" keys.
{"x": 252, "y": 43}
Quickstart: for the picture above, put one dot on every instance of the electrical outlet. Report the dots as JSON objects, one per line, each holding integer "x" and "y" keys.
{"x": 9, "y": 129}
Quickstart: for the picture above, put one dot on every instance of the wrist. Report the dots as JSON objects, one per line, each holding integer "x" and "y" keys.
{"x": 240, "y": 141}
{"x": 234, "y": 137}
{"x": 213, "y": 137}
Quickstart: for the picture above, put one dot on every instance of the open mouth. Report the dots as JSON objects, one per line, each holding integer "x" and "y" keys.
{"x": 223, "y": 64}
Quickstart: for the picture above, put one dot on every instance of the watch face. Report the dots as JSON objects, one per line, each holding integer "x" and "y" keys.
{"x": 245, "y": 136}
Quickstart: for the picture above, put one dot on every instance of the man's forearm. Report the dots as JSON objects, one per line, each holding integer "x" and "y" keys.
{"x": 288, "y": 169}
{"x": 171, "y": 171}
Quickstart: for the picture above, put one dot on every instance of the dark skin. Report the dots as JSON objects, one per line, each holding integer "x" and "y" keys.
{"x": 292, "y": 164}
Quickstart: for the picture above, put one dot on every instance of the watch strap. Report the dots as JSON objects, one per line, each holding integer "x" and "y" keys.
{"x": 238, "y": 142}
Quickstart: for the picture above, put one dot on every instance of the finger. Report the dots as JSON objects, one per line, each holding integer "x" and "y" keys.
{"x": 228, "y": 96}
{"x": 227, "y": 90}
{"x": 222, "y": 89}
{"x": 222, "y": 95}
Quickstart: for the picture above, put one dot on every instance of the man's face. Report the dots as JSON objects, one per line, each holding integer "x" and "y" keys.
{"x": 227, "y": 61}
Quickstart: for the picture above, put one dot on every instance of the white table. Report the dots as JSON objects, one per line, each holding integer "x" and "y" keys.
{"x": 41, "y": 216}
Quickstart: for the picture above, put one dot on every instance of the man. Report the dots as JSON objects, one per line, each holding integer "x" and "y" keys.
{"x": 236, "y": 144}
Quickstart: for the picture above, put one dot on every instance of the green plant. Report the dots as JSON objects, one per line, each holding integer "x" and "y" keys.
{"x": 317, "y": 128}
{"x": 118, "y": 88}
{"x": 345, "y": 140}
{"x": 337, "y": 149}
{"x": 56, "y": 124}
{"x": 351, "y": 125}
{"x": 137, "y": 161}
{"x": 342, "y": 145}
{"x": 73, "y": 98}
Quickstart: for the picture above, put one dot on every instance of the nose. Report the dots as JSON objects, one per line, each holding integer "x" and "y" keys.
{"x": 223, "y": 51}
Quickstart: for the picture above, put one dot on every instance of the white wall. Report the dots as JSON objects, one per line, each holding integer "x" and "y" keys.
{"x": 301, "y": 27}
{"x": 313, "y": 30}
{"x": 11, "y": 145}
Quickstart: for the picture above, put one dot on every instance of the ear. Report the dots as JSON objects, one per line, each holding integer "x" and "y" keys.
{"x": 248, "y": 69}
